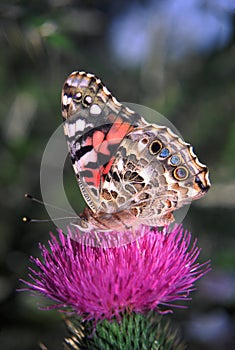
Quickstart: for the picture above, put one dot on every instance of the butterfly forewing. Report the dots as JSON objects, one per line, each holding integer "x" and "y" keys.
{"x": 95, "y": 123}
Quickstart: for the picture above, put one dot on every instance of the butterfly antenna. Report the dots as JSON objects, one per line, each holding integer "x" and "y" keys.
{"x": 45, "y": 203}
{"x": 26, "y": 219}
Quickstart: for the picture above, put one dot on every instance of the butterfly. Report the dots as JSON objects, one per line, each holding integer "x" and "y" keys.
{"x": 129, "y": 172}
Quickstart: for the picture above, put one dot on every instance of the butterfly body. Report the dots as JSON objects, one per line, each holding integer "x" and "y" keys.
{"x": 130, "y": 172}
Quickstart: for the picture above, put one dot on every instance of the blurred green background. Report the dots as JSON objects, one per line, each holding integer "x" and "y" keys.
{"x": 175, "y": 56}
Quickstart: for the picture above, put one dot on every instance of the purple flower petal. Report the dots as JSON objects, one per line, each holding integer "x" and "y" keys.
{"x": 98, "y": 283}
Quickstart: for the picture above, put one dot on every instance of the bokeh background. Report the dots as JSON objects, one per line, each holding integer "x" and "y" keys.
{"x": 175, "y": 56}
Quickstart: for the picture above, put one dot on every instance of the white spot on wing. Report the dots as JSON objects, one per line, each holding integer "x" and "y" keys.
{"x": 208, "y": 179}
{"x": 71, "y": 128}
{"x": 73, "y": 81}
{"x": 80, "y": 125}
{"x": 88, "y": 99}
{"x": 66, "y": 100}
{"x": 120, "y": 165}
{"x": 141, "y": 146}
{"x": 106, "y": 91}
{"x": 66, "y": 129}
{"x": 95, "y": 109}
{"x": 116, "y": 102}
{"x": 130, "y": 110}
{"x": 88, "y": 157}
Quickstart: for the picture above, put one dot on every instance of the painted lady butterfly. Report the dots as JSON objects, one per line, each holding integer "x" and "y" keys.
{"x": 130, "y": 172}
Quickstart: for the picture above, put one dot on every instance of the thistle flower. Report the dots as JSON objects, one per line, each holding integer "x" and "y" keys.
{"x": 97, "y": 283}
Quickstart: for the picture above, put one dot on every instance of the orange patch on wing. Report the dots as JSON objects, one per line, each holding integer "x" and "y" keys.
{"x": 118, "y": 131}
{"x": 97, "y": 139}
{"x": 104, "y": 147}
{"x": 87, "y": 142}
{"x": 114, "y": 136}
{"x": 95, "y": 178}
{"x": 98, "y": 173}
{"x": 108, "y": 166}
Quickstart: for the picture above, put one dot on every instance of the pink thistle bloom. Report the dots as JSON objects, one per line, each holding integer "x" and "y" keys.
{"x": 98, "y": 283}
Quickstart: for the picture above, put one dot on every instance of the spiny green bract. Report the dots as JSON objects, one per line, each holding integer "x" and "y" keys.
{"x": 133, "y": 332}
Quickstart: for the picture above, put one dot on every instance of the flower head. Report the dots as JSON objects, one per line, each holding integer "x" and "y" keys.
{"x": 98, "y": 283}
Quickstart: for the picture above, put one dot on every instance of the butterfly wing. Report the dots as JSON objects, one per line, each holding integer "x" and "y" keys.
{"x": 127, "y": 169}
{"x": 95, "y": 124}
{"x": 154, "y": 173}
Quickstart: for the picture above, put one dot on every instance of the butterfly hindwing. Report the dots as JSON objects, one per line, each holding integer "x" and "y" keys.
{"x": 154, "y": 173}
